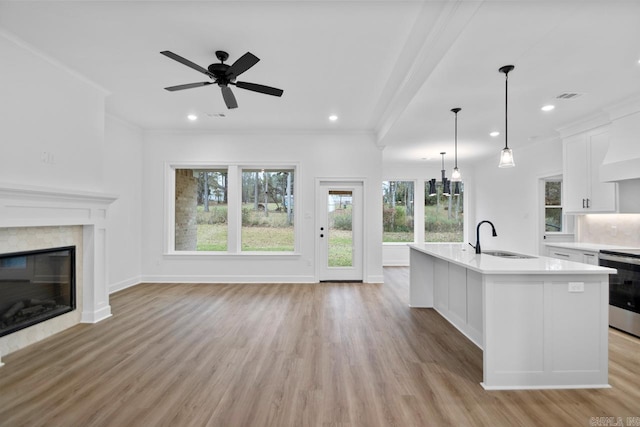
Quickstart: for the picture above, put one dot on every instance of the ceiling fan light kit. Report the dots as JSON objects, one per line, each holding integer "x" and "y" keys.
{"x": 506, "y": 155}
{"x": 224, "y": 75}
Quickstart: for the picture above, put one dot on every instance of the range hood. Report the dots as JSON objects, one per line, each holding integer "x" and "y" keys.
{"x": 622, "y": 162}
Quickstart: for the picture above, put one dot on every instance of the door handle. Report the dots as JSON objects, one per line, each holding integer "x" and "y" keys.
{"x": 322, "y": 235}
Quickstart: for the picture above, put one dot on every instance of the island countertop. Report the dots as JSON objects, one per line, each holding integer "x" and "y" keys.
{"x": 465, "y": 256}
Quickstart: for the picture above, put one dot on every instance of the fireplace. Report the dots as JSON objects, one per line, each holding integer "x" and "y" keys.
{"x": 36, "y": 286}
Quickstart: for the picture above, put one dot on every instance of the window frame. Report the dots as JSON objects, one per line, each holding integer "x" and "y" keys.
{"x": 415, "y": 204}
{"x": 450, "y": 197}
{"x": 563, "y": 216}
{"x": 234, "y": 209}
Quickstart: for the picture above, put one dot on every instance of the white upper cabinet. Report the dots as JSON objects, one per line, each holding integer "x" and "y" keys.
{"x": 584, "y": 192}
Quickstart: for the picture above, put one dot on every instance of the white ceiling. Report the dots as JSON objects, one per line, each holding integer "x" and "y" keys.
{"x": 392, "y": 68}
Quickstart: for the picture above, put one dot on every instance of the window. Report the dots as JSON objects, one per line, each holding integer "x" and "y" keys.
{"x": 233, "y": 209}
{"x": 201, "y": 210}
{"x": 553, "y": 206}
{"x": 397, "y": 211}
{"x": 444, "y": 215}
{"x": 267, "y": 210}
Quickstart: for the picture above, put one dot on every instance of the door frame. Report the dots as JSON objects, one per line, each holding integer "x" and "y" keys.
{"x": 350, "y": 181}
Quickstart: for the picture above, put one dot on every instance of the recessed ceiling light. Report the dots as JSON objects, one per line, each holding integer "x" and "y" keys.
{"x": 548, "y": 107}
{"x": 192, "y": 117}
{"x": 333, "y": 117}
{"x": 494, "y": 133}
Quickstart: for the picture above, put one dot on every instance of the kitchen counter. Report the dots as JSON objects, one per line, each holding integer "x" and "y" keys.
{"x": 465, "y": 256}
{"x": 541, "y": 322}
{"x": 592, "y": 247}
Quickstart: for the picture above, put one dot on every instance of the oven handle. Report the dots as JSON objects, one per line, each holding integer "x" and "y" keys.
{"x": 623, "y": 259}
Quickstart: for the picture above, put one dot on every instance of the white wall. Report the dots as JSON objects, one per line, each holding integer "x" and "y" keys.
{"x": 123, "y": 176}
{"x": 46, "y": 108}
{"x": 509, "y": 197}
{"x": 318, "y": 156}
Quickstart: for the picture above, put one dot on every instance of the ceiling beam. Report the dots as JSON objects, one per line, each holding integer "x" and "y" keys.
{"x": 434, "y": 32}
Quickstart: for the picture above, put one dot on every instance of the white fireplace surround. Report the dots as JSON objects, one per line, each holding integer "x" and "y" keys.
{"x": 29, "y": 206}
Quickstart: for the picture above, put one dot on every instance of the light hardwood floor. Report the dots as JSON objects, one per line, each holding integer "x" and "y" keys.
{"x": 330, "y": 354}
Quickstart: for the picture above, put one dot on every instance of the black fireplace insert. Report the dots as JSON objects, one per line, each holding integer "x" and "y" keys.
{"x": 36, "y": 286}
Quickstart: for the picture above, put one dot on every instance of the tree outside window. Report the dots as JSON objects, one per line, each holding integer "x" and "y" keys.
{"x": 444, "y": 215}
{"x": 397, "y": 211}
{"x": 553, "y": 206}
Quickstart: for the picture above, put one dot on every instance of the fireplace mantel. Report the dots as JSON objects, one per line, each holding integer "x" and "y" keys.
{"x": 30, "y": 206}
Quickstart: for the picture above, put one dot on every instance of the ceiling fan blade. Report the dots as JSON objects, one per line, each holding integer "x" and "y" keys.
{"x": 186, "y": 62}
{"x": 187, "y": 86}
{"x": 243, "y": 63}
{"x": 229, "y": 98}
{"x": 260, "y": 88}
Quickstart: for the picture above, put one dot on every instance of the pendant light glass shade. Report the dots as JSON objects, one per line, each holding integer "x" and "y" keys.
{"x": 506, "y": 156}
{"x": 456, "y": 176}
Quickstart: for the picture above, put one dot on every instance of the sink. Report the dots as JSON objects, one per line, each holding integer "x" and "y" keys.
{"x": 505, "y": 254}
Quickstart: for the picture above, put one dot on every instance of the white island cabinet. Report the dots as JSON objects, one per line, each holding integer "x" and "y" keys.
{"x": 541, "y": 322}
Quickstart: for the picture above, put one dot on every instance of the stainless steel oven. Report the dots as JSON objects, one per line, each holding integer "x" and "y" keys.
{"x": 624, "y": 288}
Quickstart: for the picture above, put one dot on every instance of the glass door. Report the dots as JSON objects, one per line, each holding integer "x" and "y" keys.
{"x": 340, "y": 231}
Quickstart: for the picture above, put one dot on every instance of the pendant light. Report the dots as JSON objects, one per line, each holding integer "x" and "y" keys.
{"x": 506, "y": 156}
{"x": 455, "y": 175}
{"x": 432, "y": 187}
{"x": 446, "y": 184}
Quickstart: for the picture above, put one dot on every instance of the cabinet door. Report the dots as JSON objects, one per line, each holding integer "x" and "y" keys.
{"x": 565, "y": 254}
{"x": 590, "y": 258}
{"x": 602, "y": 195}
{"x": 575, "y": 177}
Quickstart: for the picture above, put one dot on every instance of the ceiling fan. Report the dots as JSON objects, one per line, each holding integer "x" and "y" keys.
{"x": 224, "y": 75}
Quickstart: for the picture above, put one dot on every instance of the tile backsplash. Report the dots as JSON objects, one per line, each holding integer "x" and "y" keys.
{"x": 609, "y": 229}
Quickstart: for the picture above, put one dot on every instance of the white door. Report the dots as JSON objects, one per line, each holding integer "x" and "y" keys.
{"x": 339, "y": 231}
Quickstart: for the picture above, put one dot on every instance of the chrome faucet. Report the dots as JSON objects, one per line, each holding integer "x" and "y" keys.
{"x": 493, "y": 230}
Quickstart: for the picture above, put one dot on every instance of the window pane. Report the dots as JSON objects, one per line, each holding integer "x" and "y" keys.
{"x": 397, "y": 211}
{"x": 443, "y": 215}
{"x": 201, "y": 210}
{"x": 553, "y": 193}
{"x": 553, "y": 219}
{"x": 267, "y": 210}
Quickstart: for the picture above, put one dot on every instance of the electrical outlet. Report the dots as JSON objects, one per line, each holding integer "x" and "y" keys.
{"x": 47, "y": 157}
{"x": 576, "y": 286}
{"x": 614, "y": 231}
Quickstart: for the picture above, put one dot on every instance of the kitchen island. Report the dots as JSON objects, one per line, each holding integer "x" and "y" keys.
{"x": 541, "y": 322}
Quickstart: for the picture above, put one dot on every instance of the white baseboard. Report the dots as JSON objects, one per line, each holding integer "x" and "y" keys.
{"x": 374, "y": 279}
{"x": 96, "y": 316}
{"x": 396, "y": 263}
{"x": 115, "y": 287}
{"x": 227, "y": 279}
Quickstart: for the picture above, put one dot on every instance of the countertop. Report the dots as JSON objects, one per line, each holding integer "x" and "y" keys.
{"x": 465, "y": 256}
{"x": 590, "y": 247}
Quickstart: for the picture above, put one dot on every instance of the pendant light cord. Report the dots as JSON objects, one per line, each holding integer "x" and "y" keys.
{"x": 456, "y": 140}
{"x": 506, "y": 109}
